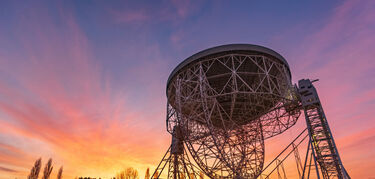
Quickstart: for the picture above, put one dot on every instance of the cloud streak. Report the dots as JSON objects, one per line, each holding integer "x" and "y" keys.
{"x": 62, "y": 102}
{"x": 7, "y": 170}
{"x": 341, "y": 55}
{"x": 58, "y": 100}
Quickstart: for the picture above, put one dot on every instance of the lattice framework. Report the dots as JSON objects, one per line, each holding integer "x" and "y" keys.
{"x": 226, "y": 105}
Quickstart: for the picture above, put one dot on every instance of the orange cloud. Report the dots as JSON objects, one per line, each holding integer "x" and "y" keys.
{"x": 56, "y": 101}
{"x": 59, "y": 105}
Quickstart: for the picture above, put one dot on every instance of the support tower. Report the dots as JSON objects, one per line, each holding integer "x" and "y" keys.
{"x": 322, "y": 144}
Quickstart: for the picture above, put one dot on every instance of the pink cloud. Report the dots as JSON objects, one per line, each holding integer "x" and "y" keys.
{"x": 59, "y": 101}
{"x": 172, "y": 11}
{"x": 183, "y": 7}
{"x": 341, "y": 55}
{"x": 59, "y": 97}
{"x": 345, "y": 36}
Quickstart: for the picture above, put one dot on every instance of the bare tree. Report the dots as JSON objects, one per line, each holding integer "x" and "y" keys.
{"x": 47, "y": 169}
{"x": 59, "y": 175}
{"x": 182, "y": 175}
{"x": 156, "y": 174}
{"x": 34, "y": 173}
{"x": 201, "y": 175}
{"x": 147, "y": 175}
{"x": 129, "y": 173}
{"x": 192, "y": 176}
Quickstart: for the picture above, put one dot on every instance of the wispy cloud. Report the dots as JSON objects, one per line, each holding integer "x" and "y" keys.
{"x": 183, "y": 7}
{"x": 167, "y": 11}
{"x": 341, "y": 55}
{"x": 57, "y": 100}
{"x": 7, "y": 169}
{"x": 60, "y": 103}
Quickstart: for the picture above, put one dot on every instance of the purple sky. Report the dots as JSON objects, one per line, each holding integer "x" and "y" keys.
{"x": 90, "y": 76}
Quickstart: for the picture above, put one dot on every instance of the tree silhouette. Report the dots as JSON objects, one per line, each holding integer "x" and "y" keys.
{"x": 156, "y": 174}
{"x": 201, "y": 175}
{"x": 129, "y": 173}
{"x": 34, "y": 173}
{"x": 182, "y": 175}
{"x": 147, "y": 175}
{"x": 47, "y": 169}
{"x": 59, "y": 175}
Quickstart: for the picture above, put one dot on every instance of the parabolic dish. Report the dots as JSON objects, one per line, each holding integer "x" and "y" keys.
{"x": 227, "y": 100}
{"x": 247, "y": 81}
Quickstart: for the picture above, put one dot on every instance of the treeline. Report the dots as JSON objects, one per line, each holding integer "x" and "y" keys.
{"x": 128, "y": 173}
{"x": 131, "y": 173}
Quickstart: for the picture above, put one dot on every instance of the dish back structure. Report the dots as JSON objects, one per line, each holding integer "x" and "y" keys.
{"x": 226, "y": 100}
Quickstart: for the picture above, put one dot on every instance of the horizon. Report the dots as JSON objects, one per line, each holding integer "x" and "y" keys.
{"x": 83, "y": 82}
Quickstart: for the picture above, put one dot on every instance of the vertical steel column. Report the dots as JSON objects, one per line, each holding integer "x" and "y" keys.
{"x": 322, "y": 143}
{"x": 179, "y": 165}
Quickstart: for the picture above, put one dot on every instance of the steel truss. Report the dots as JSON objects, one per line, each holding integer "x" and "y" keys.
{"x": 222, "y": 108}
{"x": 177, "y": 161}
{"x": 227, "y": 106}
{"x": 323, "y": 147}
{"x": 321, "y": 154}
{"x": 277, "y": 162}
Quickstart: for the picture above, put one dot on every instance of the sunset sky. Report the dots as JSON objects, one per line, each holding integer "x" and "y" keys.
{"x": 83, "y": 82}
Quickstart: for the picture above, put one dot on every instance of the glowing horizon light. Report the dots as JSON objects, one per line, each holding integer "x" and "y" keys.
{"x": 83, "y": 82}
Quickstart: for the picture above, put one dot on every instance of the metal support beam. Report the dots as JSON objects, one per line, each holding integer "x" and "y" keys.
{"x": 176, "y": 160}
{"x": 323, "y": 147}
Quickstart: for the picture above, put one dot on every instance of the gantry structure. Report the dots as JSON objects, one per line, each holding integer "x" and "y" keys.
{"x": 224, "y": 102}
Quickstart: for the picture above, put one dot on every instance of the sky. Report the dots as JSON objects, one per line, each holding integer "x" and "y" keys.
{"x": 83, "y": 82}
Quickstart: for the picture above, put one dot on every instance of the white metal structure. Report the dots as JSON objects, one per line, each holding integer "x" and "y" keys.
{"x": 224, "y": 102}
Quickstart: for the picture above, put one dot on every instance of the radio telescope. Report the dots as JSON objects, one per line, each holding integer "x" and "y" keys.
{"x": 223, "y": 103}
